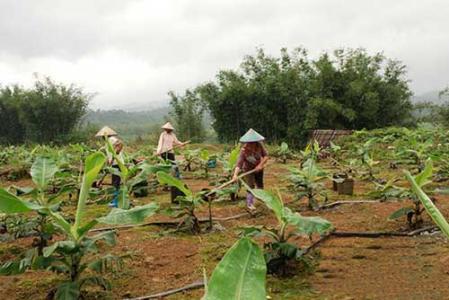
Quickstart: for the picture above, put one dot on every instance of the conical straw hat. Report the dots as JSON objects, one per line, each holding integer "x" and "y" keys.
{"x": 251, "y": 136}
{"x": 106, "y": 131}
{"x": 168, "y": 126}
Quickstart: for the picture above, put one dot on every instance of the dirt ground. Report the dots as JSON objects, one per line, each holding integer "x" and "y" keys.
{"x": 347, "y": 268}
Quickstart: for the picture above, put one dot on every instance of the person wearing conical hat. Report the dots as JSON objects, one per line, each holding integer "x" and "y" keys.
{"x": 117, "y": 144}
{"x": 253, "y": 156}
{"x": 167, "y": 141}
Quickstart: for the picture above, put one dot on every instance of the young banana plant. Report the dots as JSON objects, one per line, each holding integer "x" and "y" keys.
{"x": 187, "y": 203}
{"x": 279, "y": 251}
{"x": 190, "y": 159}
{"x": 428, "y": 204}
{"x": 205, "y": 158}
{"x": 284, "y": 152}
{"x": 414, "y": 211}
{"x": 307, "y": 182}
{"x": 311, "y": 151}
{"x": 131, "y": 176}
{"x": 69, "y": 256}
{"x": 43, "y": 173}
{"x": 229, "y": 164}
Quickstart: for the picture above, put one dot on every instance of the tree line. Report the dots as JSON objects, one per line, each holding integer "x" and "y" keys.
{"x": 46, "y": 112}
{"x": 287, "y": 96}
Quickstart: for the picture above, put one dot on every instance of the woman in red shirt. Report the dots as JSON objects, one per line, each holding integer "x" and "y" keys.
{"x": 253, "y": 156}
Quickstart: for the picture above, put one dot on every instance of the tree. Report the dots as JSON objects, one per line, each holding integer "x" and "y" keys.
{"x": 188, "y": 112}
{"x": 12, "y": 130}
{"x": 285, "y": 97}
{"x": 46, "y": 113}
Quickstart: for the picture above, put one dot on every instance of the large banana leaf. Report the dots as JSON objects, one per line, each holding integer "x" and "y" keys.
{"x": 307, "y": 225}
{"x": 134, "y": 215}
{"x": 240, "y": 275}
{"x": 92, "y": 166}
{"x": 42, "y": 171}
{"x": 431, "y": 209}
{"x": 11, "y": 204}
{"x": 165, "y": 178}
{"x": 271, "y": 201}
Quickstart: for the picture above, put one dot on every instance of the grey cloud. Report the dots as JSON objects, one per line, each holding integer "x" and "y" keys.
{"x": 174, "y": 44}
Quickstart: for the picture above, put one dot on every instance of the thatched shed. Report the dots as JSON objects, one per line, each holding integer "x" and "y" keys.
{"x": 325, "y": 136}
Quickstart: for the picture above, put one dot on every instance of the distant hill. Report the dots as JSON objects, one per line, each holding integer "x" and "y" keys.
{"x": 432, "y": 96}
{"x": 129, "y": 124}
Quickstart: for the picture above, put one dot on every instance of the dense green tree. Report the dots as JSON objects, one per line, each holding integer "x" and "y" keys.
{"x": 188, "y": 114}
{"x": 48, "y": 112}
{"x": 285, "y": 97}
{"x": 11, "y": 129}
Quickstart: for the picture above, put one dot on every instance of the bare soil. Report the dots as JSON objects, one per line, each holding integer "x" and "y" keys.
{"x": 347, "y": 268}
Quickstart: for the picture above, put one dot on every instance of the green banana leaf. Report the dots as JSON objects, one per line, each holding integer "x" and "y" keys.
{"x": 134, "y": 215}
{"x": 240, "y": 275}
{"x": 403, "y": 211}
{"x": 423, "y": 178}
{"x": 271, "y": 201}
{"x": 11, "y": 204}
{"x": 307, "y": 225}
{"x": 92, "y": 166}
{"x": 165, "y": 178}
{"x": 233, "y": 157}
{"x": 68, "y": 291}
{"x": 431, "y": 209}
{"x": 42, "y": 171}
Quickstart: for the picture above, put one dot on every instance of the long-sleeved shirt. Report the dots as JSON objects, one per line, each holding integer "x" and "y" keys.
{"x": 248, "y": 160}
{"x": 166, "y": 142}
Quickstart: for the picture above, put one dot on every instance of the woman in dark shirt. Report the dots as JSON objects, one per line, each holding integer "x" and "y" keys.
{"x": 252, "y": 156}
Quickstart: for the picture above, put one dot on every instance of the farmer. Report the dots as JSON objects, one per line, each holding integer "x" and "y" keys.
{"x": 117, "y": 145}
{"x": 167, "y": 142}
{"x": 253, "y": 156}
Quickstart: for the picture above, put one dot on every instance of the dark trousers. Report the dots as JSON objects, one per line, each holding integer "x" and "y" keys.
{"x": 116, "y": 180}
{"x": 168, "y": 156}
{"x": 174, "y": 192}
{"x": 254, "y": 180}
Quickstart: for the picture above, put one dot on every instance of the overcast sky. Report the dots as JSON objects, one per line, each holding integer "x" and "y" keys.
{"x": 136, "y": 51}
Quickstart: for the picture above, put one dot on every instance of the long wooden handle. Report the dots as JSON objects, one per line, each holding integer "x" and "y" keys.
{"x": 177, "y": 146}
{"x": 230, "y": 182}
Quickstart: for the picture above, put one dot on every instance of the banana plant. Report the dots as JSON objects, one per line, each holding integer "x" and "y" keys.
{"x": 79, "y": 251}
{"x": 241, "y": 274}
{"x": 428, "y": 204}
{"x": 413, "y": 212}
{"x": 190, "y": 159}
{"x": 364, "y": 151}
{"x": 187, "y": 203}
{"x": 43, "y": 173}
{"x": 279, "y": 251}
{"x": 229, "y": 163}
{"x": 307, "y": 182}
{"x": 131, "y": 175}
{"x": 205, "y": 158}
{"x": 387, "y": 191}
{"x": 416, "y": 150}
{"x": 284, "y": 152}
{"x": 311, "y": 151}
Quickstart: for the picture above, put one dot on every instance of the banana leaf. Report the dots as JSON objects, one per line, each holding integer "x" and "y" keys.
{"x": 240, "y": 275}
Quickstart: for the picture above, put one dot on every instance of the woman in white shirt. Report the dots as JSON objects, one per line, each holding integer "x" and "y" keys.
{"x": 167, "y": 141}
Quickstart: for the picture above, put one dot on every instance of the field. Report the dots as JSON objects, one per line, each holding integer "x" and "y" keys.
{"x": 399, "y": 260}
